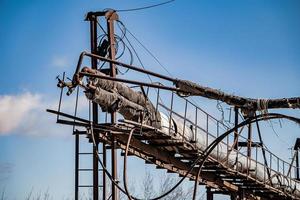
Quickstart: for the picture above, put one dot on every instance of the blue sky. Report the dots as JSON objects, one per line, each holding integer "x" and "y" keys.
{"x": 249, "y": 48}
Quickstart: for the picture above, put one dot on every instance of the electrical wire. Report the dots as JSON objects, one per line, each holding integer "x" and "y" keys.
{"x": 125, "y": 157}
{"x": 145, "y": 7}
{"x": 101, "y": 26}
{"x": 125, "y": 171}
{"x": 220, "y": 138}
{"x": 125, "y": 164}
{"x": 130, "y": 54}
{"x": 146, "y": 49}
{"x": 116, "y": 183}
{"x": 138, "y": 57}
{"x": 204, "y": 155}
{"x": 149, "y": 52}
{"x": 136, "y": 54}
{"x": 209, "y": 148}
{"x": 250, "y": 120}
{"x": 276, "y": 134}
{"x": 118, "y": 39}
{"x": 99, "y": 160}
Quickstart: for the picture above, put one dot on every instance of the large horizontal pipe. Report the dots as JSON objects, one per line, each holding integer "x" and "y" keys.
{"x": 187, "y": 87}
{"x": 249, "y": 104}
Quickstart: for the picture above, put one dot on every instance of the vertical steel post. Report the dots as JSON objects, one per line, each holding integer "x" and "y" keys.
{"x": 76, "y": 166}
{"x": 236, "y": 122}
{"x": 296, "y": 149}
{"x": 249, "y": 144}
{"x": 103, "y": 172}
{"x": 207, "y": 118}
{"x": 93, "y": 35}
{"x": 263, "y": 151}
{"x": 111, "y": 16}
{"x": 249, "y": 148}
{"x": 297, "y": 165}
{"x": 196, "y": 126}
{"x": 171, "y": 112}
{"x": 242, "y": 194}
{"x": 209, "y": 194}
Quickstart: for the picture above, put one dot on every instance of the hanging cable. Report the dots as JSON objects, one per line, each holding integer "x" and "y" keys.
{"x": 118, "y": 39}
{"x": 139, "y": 59}
{"x": 101, "y": 27}
{"x": 125, "y": 164}
{"x": 136, "y": 54}
{"x": 250, "y": 120}
{"x": 125, "y": 169}
{"x": 114, "y": 181}
{"x": 145, "y": 7}
{"x": 99, "y": 160}
{"x": 146, "y": 49}
{"x": 149, "y": 52}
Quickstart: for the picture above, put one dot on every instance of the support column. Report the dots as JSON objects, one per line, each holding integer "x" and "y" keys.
{"x": 209, "y": 194}
{"x": 93, "y": 32}
{"x": 249, "y": 143}
{"x": 232, "y": 197}
{"x": 111, "y": 16}
{"x": 103, "y": 172}
{"x": 249, "y": 148}
{"x": 263, "y": 152}
{"x": 236, "y": 122}
{"x": 296, "y": 149}
{"x": 297, "y": 165}
{"x": 76, "y": 165}
{"x": 242, "y": 194}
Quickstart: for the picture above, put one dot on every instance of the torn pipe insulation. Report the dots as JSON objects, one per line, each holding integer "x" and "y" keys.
{"x": 115, "y": 96}
{"x": 246, "y": 104}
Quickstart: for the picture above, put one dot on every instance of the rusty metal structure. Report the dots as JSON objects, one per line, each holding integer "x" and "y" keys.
{"x": 160, "y": 125}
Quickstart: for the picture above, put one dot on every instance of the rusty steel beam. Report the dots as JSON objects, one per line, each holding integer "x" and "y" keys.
{"x": 167, "y": 161}
{"x": 138, "y": 69}
{"x": 167, "y": 144}
{"x": 76, "y": 166}
{"x": 296, "y": 149}
{"x": 111, "y": 17}
{"x": 93, "y": 37}
{"x": 236, "y": 131}
{"x": 297, "y": 165}
{"x": 209, "y": 194}
{"x": 153, "y": 137}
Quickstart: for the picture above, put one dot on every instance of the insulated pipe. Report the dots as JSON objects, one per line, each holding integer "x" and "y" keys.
{"x": 194, "y": 89}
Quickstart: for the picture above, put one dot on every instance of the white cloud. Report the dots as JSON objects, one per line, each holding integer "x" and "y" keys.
{"x": 60, "y": 61}
{"x": 26, "y": 114}
{"x": 14, "y": 109}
